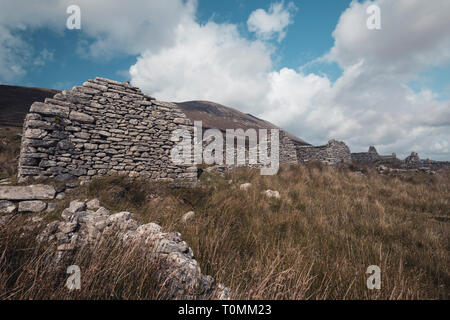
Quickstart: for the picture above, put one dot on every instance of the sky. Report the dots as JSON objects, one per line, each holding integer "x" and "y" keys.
{"x": 313, "y": 68}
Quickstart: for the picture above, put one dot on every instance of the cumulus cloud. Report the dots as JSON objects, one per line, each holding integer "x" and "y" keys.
{"x": 209, "y": 62}
{"x": 268, "y": 24}
{"x": 109, "y": 28}
{"x": 370, "y": 104}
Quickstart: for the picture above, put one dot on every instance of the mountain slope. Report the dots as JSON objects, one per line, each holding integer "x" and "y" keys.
{"x": 214, "y": 115}
{"x": 16, "y": 101}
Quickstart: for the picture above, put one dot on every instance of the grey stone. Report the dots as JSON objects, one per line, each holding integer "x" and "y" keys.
{"x": 81, "y": 117}
{"x": 272, "y": 194}
{"x": 51, "y": 207}
{"x": 64, "y": 177}
{"x": 187, "y": 216}
{"x": 49, "y": 109}
{"x": 93, "y": 204}
{"x": 77, "y": 206}
{"x": 34, "y": 206}
{"x": 7, "y": 207}
{"x": 32, "y": 192}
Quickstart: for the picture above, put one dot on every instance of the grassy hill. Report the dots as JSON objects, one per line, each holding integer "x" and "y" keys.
{"x": 16, "y": 101}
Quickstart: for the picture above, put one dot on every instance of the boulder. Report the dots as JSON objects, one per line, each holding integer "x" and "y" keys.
{"x": 94, "y": 204}
{"x": 187, "y": 216}
{"x": 76, "y": 206}
{"x": 32, "y": 192}
{"x": 245, "y": 186}
{"x": 272, "y": 194}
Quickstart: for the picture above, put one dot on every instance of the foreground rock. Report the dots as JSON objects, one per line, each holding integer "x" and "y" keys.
{"x": 272, "y": 194}
{"x": 32, "y": 206}
{"x": 32, "y": 192}
{"x": 187, "y": 216}
{"x": 178, "y": 271}
{"x": 245, "y": 186}
{"x": 7, "y": 207}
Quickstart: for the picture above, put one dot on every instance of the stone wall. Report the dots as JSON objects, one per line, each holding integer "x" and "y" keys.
{"x": 334, "y": 152}
{"x": 103, "y": 127}
{"x": 372, "y": 156}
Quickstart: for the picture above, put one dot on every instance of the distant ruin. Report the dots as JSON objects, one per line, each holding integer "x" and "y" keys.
{"x": 372, "y": 156}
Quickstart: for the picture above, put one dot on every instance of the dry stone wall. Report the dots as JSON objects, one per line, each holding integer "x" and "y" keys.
{"x": 334, "y": 152}
{"x": 372, "y": 156}
{"x": 102, "y": 127}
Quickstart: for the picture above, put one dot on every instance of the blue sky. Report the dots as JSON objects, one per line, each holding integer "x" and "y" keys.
{"x": 311, "y": 67}
{"x": 309, "y": 37}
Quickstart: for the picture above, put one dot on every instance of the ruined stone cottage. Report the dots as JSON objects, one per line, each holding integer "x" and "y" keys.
{"x": 109, "y": 127}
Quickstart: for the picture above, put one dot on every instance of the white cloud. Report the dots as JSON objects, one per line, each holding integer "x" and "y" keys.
{"x": 269, "y": 24}
{"x": 106, "y": 26}
{"x": 209, "y": 62}
{"x": 370, "y": 104}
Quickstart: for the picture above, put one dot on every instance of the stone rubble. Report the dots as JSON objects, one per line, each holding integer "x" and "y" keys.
{"x": 81, "y": 226}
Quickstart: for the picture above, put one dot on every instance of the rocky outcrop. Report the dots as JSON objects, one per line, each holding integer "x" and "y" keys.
{"x": 102, "y": 127}
{"x": 179, "y": 273}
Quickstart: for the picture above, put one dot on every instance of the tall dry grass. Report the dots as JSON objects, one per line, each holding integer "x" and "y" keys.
{"x": 9, "y": 151}
{"x": 316, "y": 242}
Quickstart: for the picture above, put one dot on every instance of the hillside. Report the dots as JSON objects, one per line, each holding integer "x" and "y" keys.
{"x": 214, "y": 115}
{"x": 16, "y": 101}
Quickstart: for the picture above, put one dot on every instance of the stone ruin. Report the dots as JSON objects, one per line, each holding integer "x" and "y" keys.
{"x": 102, "y": 127}
{"x": 108, "y": 127}
{"x": 333, "y": 152}
{"x": 372, "y": 156}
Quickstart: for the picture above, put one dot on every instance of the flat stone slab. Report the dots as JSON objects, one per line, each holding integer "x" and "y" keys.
{"x": 32, "y": 192}
{"x": 32, "y": 206}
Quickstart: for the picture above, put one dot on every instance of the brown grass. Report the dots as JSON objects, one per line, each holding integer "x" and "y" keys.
{"x": 9, "y": 151}
{"x": 314, "y": 243}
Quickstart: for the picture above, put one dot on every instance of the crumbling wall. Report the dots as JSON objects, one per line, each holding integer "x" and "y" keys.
{"x": 103, "y": 127}
{"x": 372, "y": 156}
{"x": 334, "y": 152}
